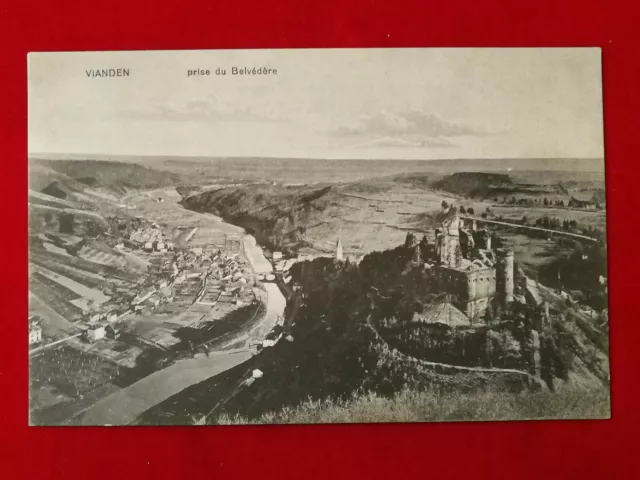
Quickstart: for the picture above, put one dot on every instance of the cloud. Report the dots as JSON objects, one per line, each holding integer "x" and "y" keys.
{"x": 403, "y": 143}
{"x": 210, "y": 109}
{"x": 410, "y": 125}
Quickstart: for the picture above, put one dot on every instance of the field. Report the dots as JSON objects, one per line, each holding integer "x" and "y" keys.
{"x": 55, "y": 296}
{"x": 64, "y": 379}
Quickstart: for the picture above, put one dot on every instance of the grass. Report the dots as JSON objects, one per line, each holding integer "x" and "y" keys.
{"x": 416, "y": 406}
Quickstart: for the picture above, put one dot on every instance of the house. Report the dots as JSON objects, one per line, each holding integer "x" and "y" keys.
{"x": 35, "y": 333}
{"x": 153, "y": 300}
{"x": 112, "y": 317}
{"x": 112, "y": 332}
{"x": 148, "y": 246}
{"x": 277, "y": 255}
{"x": 143, "y": 295}
{"x": 95, "y": 332}
{"x": 167, "y": 293}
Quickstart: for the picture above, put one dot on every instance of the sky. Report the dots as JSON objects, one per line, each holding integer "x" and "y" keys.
{"x": 347, "y": 103}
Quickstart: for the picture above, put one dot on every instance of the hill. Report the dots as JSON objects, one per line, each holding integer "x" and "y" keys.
{"x": 117, "y": 177}
{"x": 475, "y": 184}
{"x": 278, "y": 216}
{"x": 319, "y": 170}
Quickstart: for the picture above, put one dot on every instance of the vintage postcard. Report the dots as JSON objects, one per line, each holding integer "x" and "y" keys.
{"x": 316, "y": 236}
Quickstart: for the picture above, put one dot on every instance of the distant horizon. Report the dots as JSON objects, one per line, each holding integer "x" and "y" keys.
{"x": 36, "y": 155}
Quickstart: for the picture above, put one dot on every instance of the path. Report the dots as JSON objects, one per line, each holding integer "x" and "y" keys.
{"x": 458, "y": 368}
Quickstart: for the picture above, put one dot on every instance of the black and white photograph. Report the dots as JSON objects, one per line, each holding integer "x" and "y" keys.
{"x": 313, "y": 236}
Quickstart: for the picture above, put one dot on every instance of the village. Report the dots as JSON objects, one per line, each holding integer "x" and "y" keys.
{"x": 211, "y": 282}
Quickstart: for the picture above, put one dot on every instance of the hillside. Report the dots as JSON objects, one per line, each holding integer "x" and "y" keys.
{"x": 115, "y": 176}
{"x": 475, "y": 184}
{"x": 419, "y": 406}
{"x": 278, "y": 216}
{"x": 570, "y": 189}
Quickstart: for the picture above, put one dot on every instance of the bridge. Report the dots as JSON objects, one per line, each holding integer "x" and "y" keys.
{"x": 540, "y": 229}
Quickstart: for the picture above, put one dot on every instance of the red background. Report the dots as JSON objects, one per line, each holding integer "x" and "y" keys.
{"x": 599, "y": 449}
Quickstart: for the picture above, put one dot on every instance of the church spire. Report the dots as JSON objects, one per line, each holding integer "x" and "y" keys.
{"x": 339, "y": 253}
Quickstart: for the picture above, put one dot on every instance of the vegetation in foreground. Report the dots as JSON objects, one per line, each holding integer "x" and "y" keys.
{"x": 425, "y": 406}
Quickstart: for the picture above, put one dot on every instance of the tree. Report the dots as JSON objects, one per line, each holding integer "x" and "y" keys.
{"x": 444, "y": 205}
{"x": 489, "y": 315}
{"x": 411, "y": 240}
{"x": 462, "y": 209}
{"x": 524, "y": 219}
{"x": 546, "y": 202}
{"x": 470, "y": 211}
{"x": 424, "y": 245}
{"x": 417, "y": 255}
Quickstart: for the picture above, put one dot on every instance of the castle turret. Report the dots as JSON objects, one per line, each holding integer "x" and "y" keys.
{"x": 339, "y": 253}
{"x": 504, "y": 275}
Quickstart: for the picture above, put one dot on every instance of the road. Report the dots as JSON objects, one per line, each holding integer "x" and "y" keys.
{"x": 527, "y": 227}
{"x": 124, "y": 406}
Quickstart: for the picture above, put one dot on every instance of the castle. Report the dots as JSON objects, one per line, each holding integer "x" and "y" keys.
{"x": 466, "y": 266}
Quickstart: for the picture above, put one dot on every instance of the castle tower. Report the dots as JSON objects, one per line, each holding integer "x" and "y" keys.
{"x": 339, "y": 252}
{"x": 504, "y": 275}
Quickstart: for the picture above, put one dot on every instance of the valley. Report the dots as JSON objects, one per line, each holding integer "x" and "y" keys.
{"x": 156, "y": 280}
